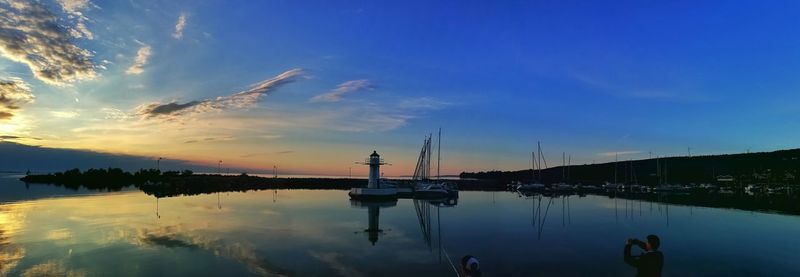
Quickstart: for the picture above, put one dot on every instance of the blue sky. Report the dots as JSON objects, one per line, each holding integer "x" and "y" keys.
{"x": 587, "y": 78}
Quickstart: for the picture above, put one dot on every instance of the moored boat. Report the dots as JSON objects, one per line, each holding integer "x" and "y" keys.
{"x": 434, "y": 191}
{"x": 562, "y": 187}
{"x": 531, "y": 187}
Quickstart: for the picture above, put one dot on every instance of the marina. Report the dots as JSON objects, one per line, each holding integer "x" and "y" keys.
{"x": 422, "y": 186}
{"x": 399, "y": 138}
{"x": 320, "y": 233}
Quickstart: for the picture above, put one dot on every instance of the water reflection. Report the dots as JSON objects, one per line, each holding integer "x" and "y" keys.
{"x": 422, "y": 209}
{"x": 10, "y": 252}
{"x": 310, "y": 233}
{"x": 543, "y": 205}
{"x": 538, "y": 217}
{"x": 661, "y": 201}
{"x": 373, "y": 216}
{"x": 89, "y": 224}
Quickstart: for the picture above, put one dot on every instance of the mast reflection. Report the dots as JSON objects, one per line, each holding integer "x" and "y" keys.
{"x": 540, "y": 208}
{"x": 422, "y": 207}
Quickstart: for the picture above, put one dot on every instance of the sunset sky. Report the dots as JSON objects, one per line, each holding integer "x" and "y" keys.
{"x": 312, "y": 86}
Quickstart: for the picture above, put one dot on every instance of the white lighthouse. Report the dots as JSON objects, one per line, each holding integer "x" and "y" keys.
{"x": 373, "y": 191}
{"x": 374, "y": 170}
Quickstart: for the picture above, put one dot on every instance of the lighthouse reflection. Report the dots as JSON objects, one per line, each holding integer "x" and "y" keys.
{"x": 373, "y": 214}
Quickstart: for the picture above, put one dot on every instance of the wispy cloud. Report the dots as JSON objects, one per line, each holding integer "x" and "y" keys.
{"x": 32, "y": 35}
{"x": 114, "y": 114}
{"x": 81, "y": 31}
{"x": 181, "y": 236}
{"x": 9, "y": 137}
{"x": 140, "y": 61}
{"x": 65, "y": 114}
{"x": 13, "y": 94}
{"x": 51, "y": 268}
{"x": 336, "y": 94}
{"x": 630, "y": 89}
{"x": 334, "y": 261}
{"x": 423, "y": 103}
{"x": 75, "y": 10}
{"x": 243, "y": 99}
{"x": 619, "y": 153}
{"x": 383, "y": 117}
{"x": 158, "y": 109}
{"x": 74, "y": 6}
{"x": 210, "y": 139}
{"x": 377, "y": 122}
{"x": 178, "y": 34}
{"x": 284, "y": 152}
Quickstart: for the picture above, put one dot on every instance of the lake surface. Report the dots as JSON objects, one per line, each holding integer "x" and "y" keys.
{"x": 46, "y": 229}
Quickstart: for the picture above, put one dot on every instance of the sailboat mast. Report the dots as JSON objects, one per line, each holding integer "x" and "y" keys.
{"x": 539, "y": 161}
{"x": 625, "y": 168}
{"x": 533, "y": 166}
{"x": 430, "y": 136}
{"x": 439, "y": 155}
{"x": 658, "y": 171}
{"x": 616, "y": 159}
{"x": 569, "y": 165}
{"x": 563, "y": 166}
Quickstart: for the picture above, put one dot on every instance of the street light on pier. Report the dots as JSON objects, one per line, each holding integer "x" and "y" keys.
{"x": 219, "y": 167}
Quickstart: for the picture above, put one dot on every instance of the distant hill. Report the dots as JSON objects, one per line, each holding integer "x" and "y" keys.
{"x": 20, "y": 158}
{"x": 763, "y": 168}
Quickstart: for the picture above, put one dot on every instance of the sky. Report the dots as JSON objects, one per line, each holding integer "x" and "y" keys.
{"x": 312, "y": 86}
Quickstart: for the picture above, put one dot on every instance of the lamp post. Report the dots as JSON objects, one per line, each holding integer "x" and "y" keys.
{"x": 219, "y": 167}
{"x": 158, "y": 163}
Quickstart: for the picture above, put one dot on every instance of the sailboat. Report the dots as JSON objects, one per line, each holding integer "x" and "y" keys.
{"x": 426, "y": 188}
{"x": 534, "y": 185}
{"x": 665, "y": 186}
{"x": 615, "y": 185}
{"x": 563, "y": 186}
{"x": 634, "y": 186}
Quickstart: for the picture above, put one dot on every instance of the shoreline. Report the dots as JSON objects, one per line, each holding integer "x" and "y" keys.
{"x": 196, "y": 184}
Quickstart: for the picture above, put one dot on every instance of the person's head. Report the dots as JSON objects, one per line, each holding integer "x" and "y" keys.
{"x": 653, "y": 242}
{"x": 470, "y": 265}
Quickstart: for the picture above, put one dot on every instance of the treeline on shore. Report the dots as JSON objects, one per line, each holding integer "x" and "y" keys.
{"x": 111, "y": 179}
{"x": 210, "y": 183}
{"x": 747, "y": 168}
{"x": 174, "y": 183}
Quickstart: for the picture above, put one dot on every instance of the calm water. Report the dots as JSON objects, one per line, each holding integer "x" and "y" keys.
{"x": 47, "y": 229}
